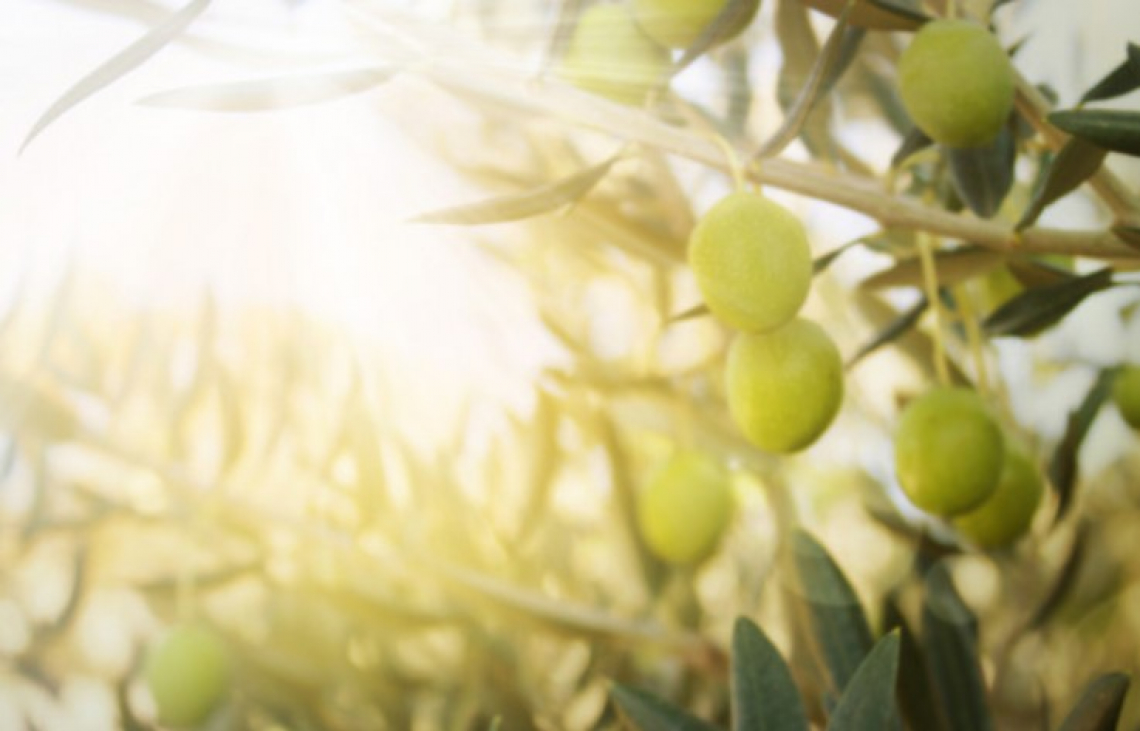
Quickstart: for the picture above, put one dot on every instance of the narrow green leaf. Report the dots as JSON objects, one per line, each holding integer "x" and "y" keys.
{"x": 1073, "y": 165}
{"x": 823, "y": 262}
{"x": 868, "y": 704}
{"x": 1128, "y": 234}
{"x": 1065, "y": 581}
{"x": 1099, "y": 706}
{"x": 1113, "y": 129}
{"x": 733, "y": 17}
{"x": 832, "y": 61}
{"x": 119, "y": 65}
{"x": 949, "y": 642}
{"x": 1064, "y": 467}
{"x": 914, "y": 690}
{"x": 1121, "y": 80}
{"x": 1035, "y": 310}
{"x": 691, "y": 313}
{"x": 894, "y": 329}
{"x": 983, "y": 175}
{"x": 643, "y": 711}
{"x": 953, "y": 266}
{"x": 764, "y": 696}
{"x": 271, "y": 94}
{"x": 874, "y": 14}
{"x": 914, "y": 141}
{"x": 517, "y": 207}
{"x": 838, "y": 623}
{"x": 1031, "y": 273}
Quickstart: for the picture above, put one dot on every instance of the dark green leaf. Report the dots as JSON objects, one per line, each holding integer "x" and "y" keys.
{"x": 1065, "y": 464}
{"x": 272, "y": 94}
{"x": 838, "y": 623}
{"x": 904, "y": 322}
{"x": 914, "y": 690}
{"x": 764, "y": 696}
{"x": 645, "y": 712}
{"x": 1035, "y": 310}
{"x": 914, "y": 141}
{"x": 868, "y": 704}
{"x": 1073, "y": 165}
{"x": 1031, "y": 273}
{"x": 874, "y": 14}
{"x": 532, "y": 203}
{"x": 735, "y": 15}
{"x": 1099, "y": 706}
{"x": 953, "y": 266}
{"x": 1113, "y": 129}
{"x": 949, "y": 642}
{"x": 983, "y": 175}
{"x": 1121, "y": 80}
{"x": 832, "y": 61}
{"x": 119, "y": 65}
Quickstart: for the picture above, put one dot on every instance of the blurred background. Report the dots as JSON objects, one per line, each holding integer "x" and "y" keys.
{"x": 394, "y": 462}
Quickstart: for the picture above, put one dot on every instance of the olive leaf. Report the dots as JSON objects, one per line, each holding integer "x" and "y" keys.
{"x": 904, "y": 322}
{"x": 645, "y": 712}
{"x": 733, "y": 16}
{"x": 536, "y": 202}
{"x": 983, "y": 175}
{"x": 764, "y": 696}
{"x": 1031, "y": 273}
{"x": 837, "y": 620}
{"x": 691, "y": 313}
{"x": 1128, "y": 234}
{"x": 1073, "y": 165}
{"x": 1065, "y": 463}
{"x": 868, "y": 703}
{"x": 824, "y": 261}
{"x": 953, "y": 266}
{"x": 833, "y": 60}
{"x": 874, "y": 14}
{"x": 119, "y": 65}
{"x": 1064, "y": 582}
{"x": 914, "y": 689}
{"x": 1035, "y": 310}
{"x": 914, "y": 141}
{"x": 1121, "y": 80}
{"x": 1100, "y": 704}
{"x": 272, "y": 94}
{"x": 1113, "y": 129}
{"x": 949, "y": 641}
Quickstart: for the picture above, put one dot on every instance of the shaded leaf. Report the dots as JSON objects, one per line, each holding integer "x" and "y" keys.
{"x": 949, "y": 642}
{"x": 833, "y": 60}
{"x": 272, "y": 94}
{"x": 645, "y": 712}
{"x": 1065, "y": 581}
{"x": 983, "y": 175}
{"x": 1128, "y": 234}
{"x": 868, "y": 704}
{"x": 1064, "y": 467}
{"x": 837, "y": 620}
{"x": 1099, "y": 706}
{"x": 523, "y": 205}
{"x": 913, "y": 689}
{"x": 914, "y": 141}
{"x": 1121, "y": 80}
{"x": 1113, "y": 129}
{"x": 904, "y": 322}
{"x": 119, "y": 65}
{"x": 874, "y": 14}
{"x": 1032, "y": 273}
{"x": 824, "y": 261}
{"x": 1073, "y": 165}
{"x": 953, "y": 266}
{"x": 733, "y": 16}
{"x": 1035, "y": 310}
{"x": 764, "y": 696}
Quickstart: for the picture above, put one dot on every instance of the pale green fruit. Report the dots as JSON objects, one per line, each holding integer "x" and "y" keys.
{"x": 752, "y": 262}
{"x": 609, "y": 55}
{"x": 684, "y": 509}
{"x": 187, "y": 674}
{"x": 784, "y": 386}
{"x": 1126, "y": 394}
{"x": 1007, "y": 514}
{"x": 949, "y": 451}
{"x": 678, "y": 23}
{"x": 957, "y": 83}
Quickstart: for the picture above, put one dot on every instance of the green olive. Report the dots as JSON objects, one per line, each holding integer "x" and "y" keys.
{"x": 609, "y": 55}
{"x": 752, "y": 262}
{"x": 1007, "y": 514}
{"x": 1126, "y": 394}
{"x": 678, "y": 23}
{"x": 784, "y": 386}
{"x": 949, "y": 451}
{"x": 187, "y": 674}
{"x": 684, "y": 508}
{"x": 957, "y": 83}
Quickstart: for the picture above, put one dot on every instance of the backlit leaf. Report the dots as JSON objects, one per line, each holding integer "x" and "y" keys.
{"x": 1073, "y": 165}
{"x": 271, "y": 94}
{"x": 1035, "y": 310}
{"x": 874, "y": 14}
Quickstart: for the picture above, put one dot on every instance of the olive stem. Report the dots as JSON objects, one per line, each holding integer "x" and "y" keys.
{"x": 930, "y": 285}
{"x": 973, "y": 337}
